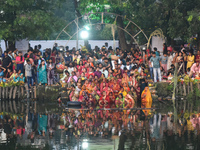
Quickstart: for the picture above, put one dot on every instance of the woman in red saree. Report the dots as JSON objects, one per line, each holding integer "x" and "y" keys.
{"x": 133, "y": 94}
{"x": 108, "y": 90}
{"x": 102, "y": 86}
{"x": 91, "y": 87}
{"x": 102, "y": 99}
{"x": 132, "y": 80}
{"x": 77, "y": 73}
{"x": 80, "y": 66}
{"x": 91, "y": 99}
{"x": 83, "y": 97}
{"x": 115, "y": 72}
{"x": 129, "y": 103}
{"x": 72, "y": 93}
{"x": 119, "y": 80}
{"x": 111, "y": 82}
{"x": 110, "y": 98}
{"x": 116, "y": 88}
{"x": 137, "y": 89}
{"x": 125, "y": 78}
{"x": 110, "y": 73}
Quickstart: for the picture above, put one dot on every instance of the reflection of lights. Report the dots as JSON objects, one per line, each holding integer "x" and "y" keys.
{"x": 85, "y": 145}
{"x": 84, "y": 34}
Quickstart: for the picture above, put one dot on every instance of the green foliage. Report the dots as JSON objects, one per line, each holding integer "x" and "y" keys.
{"x": 162, "y": 89}
{"x": 30, "y": 19}
{"x": 179, "y": 18}
{"x": 190, "y": 97}
{"x": 194, "y": 20}
{"x": 139, "y": 11}
{"x": 170, "y": 87}
{"x": 176, "y": 18}
{"x": 106, "y": 33}
{"x": 44, "y": 19}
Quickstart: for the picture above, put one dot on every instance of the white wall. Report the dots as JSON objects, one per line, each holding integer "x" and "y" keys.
{"x": 158, "y": 42}
{"x": 71, "y": 43}
{"x": 2, "y": 45}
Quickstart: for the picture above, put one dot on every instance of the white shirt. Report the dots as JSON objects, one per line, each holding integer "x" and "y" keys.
{"x": 169, "y": 62}
{"x": 105, "y": 72}
{"x": 128, "y": 67}
{"x": 113, "y": 64}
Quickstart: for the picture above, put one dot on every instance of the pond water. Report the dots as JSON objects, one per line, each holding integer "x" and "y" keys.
{"x": 50, "y": 126}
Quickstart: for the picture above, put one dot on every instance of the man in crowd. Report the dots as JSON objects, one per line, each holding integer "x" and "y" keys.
{"x": 7, "y": 62}
{"x": 156, "y": 66}
{"x": 68, "y": 58}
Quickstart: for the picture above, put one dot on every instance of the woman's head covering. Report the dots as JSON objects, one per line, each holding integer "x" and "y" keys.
{"x": 121, "y": 95}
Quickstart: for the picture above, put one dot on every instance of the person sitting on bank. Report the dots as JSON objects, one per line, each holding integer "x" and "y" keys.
{"x": 2, "y": 71}
{"x": 194, "y": 70}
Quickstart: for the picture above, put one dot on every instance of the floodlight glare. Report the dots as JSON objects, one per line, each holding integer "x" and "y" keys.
{"x": 87, "y": 28}
{"x": 85, "y": 145}
{"x": 84, "y": 34}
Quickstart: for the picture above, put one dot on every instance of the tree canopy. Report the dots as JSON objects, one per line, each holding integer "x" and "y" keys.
{"x": 44, "y": 19}
{"x": 177, "y": 18}
{"x": 32, "y": 19}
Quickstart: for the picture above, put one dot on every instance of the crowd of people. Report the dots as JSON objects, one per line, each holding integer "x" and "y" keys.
{"x": 102, "y": 75}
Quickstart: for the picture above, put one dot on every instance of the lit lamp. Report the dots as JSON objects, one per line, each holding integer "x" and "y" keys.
{"x": 143, "y": 48}
{"x": 84, "y": 34}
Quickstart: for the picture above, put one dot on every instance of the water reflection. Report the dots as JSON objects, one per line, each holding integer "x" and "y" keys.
{"x": 52, "y": 127}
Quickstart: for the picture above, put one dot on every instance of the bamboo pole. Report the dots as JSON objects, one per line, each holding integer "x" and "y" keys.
{"x": 0, "y": 107}
{"x": 22, "y": 91}
{"x": 10, "y": 93}
{"x": 188, "y": 88}
{"x": 191, "y": 86}
{"x": 22, "y": 107}
{"x": 14, "y": 96}
{"x": 173, "y": 96}
{"x": 6, "y": 92}
{"x": 35, "y": 94}
{"x": 1, "y": 92}
{"x": 10, "y": 98}
{"x": 10, "y": 104}
{"x": 3, "y": 106}
{"x": 184, "y": 94}
{"x": 184, "y": 90}
{"x": 19, "y": 93}
{"x": 188, "y": 92}
{"x": 6, "y": 103}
